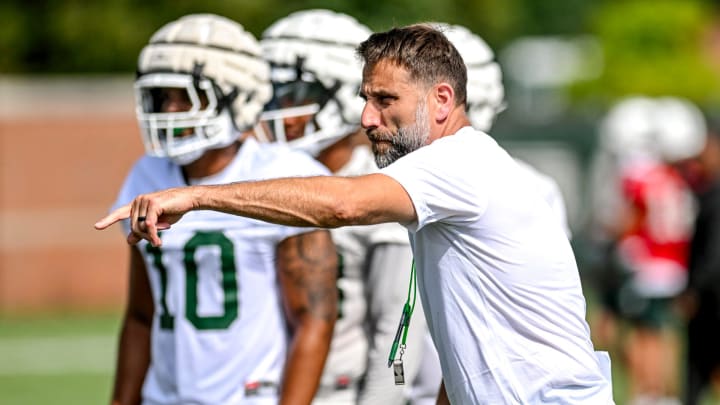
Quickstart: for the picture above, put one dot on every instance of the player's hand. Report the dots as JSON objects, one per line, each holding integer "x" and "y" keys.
{"x": 150, "y": 213}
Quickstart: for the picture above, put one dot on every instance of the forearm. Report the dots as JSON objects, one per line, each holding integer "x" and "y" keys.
{"x": 133, "y": 356}
{"x": 133, "y": 360}
{"x": 325, "y": 202}
{"x": 261, "y": 200}
{"x": 306, "y": 358}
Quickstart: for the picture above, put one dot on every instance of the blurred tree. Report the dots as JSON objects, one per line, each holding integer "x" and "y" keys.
{"x": 650, "y": 46}
{"x": 655, "y": 47}
{"x": 14, "y": 38}
{"x": 75, "y": 36}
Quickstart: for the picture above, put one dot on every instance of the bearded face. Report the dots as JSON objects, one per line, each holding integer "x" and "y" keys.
{"x": 388, "y": 147}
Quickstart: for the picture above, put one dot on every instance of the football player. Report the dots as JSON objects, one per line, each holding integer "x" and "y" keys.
{"x": 206, "y": 313}
{"x": 316, "y": 108}
{"x": 647, "y": 224}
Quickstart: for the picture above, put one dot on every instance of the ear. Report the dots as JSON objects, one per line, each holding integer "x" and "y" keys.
{"x": 443, "y": 96}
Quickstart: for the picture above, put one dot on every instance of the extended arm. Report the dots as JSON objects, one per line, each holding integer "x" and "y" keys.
{"x": 133, "y": 356}
{"x": 307, "y": 270}
{"x": 324, "y": 202}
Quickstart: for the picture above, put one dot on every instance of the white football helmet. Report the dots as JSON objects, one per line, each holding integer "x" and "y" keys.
{"x": 667, "y": 128}
{"x": 628, "y": 128}
{"x": 315, "y": 72}
{"x": 683, "y": 131}
{"x": 485, "y": 91}
{"x": 219, "y": 67}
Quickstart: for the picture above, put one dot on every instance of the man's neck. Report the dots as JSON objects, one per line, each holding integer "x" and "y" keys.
{"x": 455, "y": 121}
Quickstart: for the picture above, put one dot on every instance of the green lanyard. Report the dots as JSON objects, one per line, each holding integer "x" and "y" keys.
{"x": 405, "y": 317}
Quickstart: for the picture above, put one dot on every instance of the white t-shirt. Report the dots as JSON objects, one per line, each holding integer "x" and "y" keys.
{"x": 550, "y": 190}
{"x": 219, "y": 332}
{"x": 424, "y": 388}
{"x": 498, "y": 278}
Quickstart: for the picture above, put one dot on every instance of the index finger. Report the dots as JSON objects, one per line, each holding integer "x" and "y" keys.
{"x": 115, "y": 216}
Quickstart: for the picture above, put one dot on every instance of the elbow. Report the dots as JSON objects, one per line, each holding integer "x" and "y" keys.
{"x": 347, "y": 212}
{"x": 345, "y": 204}
{"x": 319, "y": 331}
{"x": 139, "y": 317}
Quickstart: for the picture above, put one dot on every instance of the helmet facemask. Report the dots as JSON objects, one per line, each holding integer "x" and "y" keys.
{"x": 214, "y": 69}
{"x": 316, "y": 75}
{"x": 182, "y": 136}
{"x": 304, "y": 112}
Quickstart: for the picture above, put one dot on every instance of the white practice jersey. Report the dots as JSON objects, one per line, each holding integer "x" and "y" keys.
{"x": 347, "y": 360}
{"x": 498, "y": 279}
{"x": 219, "y": 333}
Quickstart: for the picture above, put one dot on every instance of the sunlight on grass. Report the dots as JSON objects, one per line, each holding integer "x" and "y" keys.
{"x": 57, "y": 359}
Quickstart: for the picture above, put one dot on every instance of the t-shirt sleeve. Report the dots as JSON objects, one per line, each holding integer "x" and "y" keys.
{"x": 441, "y": 183}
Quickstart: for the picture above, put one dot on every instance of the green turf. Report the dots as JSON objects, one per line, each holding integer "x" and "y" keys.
{"x": 57, "y": 358}
{"x": 65, "y": 388}
{"x": 69, "y": 359}
{"x": 62, "y": 324}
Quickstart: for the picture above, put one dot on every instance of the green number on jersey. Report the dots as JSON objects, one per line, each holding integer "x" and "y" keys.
{"x": 229, "y": 282}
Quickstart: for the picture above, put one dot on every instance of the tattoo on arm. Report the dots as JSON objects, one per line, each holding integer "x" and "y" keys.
{"x": 307, "y": 269}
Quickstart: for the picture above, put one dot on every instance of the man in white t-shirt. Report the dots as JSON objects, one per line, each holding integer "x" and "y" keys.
{"x": 498, "y": 279}
{"x": 485, "y": 100}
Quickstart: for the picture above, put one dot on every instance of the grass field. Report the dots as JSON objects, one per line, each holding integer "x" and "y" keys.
{"x": 69, "y": 359}
{"x": 58, "y": 359}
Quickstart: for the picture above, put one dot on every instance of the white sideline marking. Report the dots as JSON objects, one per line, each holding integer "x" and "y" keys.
{"x": 57, "y": 355}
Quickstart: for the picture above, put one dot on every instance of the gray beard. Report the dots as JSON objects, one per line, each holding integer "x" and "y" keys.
{"x": 408, "y": 139}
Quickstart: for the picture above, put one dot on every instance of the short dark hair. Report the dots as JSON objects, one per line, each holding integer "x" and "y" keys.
{"x": 424, "y": 51}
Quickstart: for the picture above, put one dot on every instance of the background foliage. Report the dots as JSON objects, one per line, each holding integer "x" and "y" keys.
{"x": 650, "y": 46}
{"x": 105, "y": 35}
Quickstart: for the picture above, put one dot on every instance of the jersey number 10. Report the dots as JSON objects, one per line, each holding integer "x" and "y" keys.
{"x": 228, "y": 284}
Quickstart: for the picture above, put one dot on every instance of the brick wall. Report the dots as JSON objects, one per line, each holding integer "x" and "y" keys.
{"x": 66, "y": 145}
